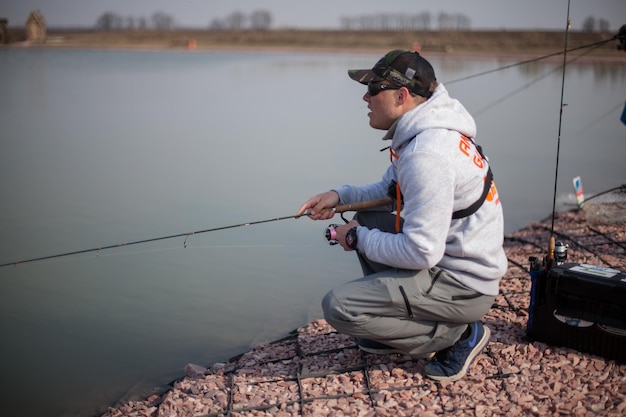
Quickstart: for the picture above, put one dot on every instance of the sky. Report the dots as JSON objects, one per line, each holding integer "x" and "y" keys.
{"x": 324, "y": 14}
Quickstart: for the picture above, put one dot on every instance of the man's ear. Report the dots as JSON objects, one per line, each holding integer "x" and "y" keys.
{"x": 403, "y": 95}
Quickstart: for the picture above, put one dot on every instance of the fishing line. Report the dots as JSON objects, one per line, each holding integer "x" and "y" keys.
{"x": 188, "y": 248}
{"x": 527, "y": 85}
{"x": 151, "y": 251}
{"x": 515, "y": 92}
{"x": 622, "y": 188}
{"x": 339, "y": 209}
{"x": 595, "y": 44}
{"x": 604, "y": 116}
{"x": 137, "y": 242}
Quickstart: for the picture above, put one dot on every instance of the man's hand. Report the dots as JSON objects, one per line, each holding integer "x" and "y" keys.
{"x": 341, "y": 232}
{"x": 320, "y": 206}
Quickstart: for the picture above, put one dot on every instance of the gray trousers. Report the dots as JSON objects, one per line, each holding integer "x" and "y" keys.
{"x": 414, "y": 311}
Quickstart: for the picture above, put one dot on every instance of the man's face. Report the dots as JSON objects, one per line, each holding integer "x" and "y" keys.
{"x": 382, "y": 101}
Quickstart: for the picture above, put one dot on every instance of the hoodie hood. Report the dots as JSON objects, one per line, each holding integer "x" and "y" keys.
{"x": 438, "y": 112}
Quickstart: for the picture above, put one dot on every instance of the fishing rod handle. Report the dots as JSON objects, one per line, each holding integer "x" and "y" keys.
{"x": 364, "y": 205}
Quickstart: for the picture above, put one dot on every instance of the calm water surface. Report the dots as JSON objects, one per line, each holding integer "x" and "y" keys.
{"x": 100, "y": 148}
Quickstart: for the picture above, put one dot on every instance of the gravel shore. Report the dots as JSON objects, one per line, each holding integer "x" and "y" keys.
{"x": 318, "y": 372}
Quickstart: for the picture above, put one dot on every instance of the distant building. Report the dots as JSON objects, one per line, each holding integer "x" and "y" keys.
{"x": 36, "y": 27}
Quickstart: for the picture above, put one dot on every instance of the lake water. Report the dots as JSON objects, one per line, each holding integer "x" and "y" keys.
{"x": 105, "y": 147}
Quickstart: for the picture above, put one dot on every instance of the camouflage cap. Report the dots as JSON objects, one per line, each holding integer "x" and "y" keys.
{"x": 403, "y": 68}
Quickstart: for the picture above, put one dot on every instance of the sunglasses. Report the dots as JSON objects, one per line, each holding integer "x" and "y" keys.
{"x": 377, "y": 87}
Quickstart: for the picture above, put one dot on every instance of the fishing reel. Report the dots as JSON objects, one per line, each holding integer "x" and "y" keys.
{"x": 560, "y": 252}
{"x": 555, "y": 256}
{"x": 331, "y": 235}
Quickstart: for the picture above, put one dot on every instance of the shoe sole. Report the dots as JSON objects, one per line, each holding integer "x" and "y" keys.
{"x": 470, "y": 358}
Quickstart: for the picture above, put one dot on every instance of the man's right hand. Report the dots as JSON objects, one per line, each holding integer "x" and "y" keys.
{"x": 319, "y": 207}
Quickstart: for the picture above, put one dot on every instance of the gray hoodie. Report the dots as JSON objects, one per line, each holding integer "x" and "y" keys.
{"x": 439, "y": 171}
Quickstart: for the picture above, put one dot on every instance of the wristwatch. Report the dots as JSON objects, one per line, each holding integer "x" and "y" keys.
{"x": 351, "y": 238}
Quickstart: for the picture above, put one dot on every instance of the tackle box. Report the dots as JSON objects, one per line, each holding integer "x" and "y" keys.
{"x": 579, "y": 306}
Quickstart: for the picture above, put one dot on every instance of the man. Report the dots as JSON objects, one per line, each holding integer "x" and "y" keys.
{"x": 432, "y": 274}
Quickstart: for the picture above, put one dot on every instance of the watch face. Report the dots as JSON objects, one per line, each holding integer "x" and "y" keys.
{"x": 351, "y": 238}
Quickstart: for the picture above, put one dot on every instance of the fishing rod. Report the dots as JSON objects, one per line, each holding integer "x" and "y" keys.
{"x": 338, "y": 209}
{"x": 551, "y": 242}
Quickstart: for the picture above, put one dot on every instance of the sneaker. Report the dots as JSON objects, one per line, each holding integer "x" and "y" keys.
{"x": 452, "y": 363}
{"x": 377, "y": 348}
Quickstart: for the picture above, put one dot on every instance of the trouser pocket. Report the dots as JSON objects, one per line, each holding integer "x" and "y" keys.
{"x": 434, "y": 295}
{"x": 406, "y": 302}
{"x": 435, "y": 277}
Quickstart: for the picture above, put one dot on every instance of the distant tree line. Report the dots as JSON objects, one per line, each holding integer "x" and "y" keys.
{"x": 113, "y": 21}
{"x": 262, "y": 20}
{"x": 258, "y": 20}
{"x": 442, "y": 21}
{"x": 420, "y": 21}
{"x": 591, "y": 24}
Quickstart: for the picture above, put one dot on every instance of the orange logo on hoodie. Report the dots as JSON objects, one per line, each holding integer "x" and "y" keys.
{"x": 465, "y": 145}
